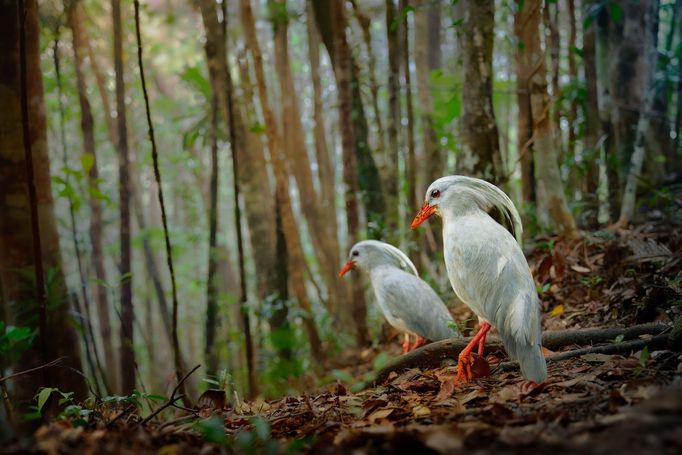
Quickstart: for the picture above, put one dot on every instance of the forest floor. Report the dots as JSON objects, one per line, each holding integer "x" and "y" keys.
{"x": 596, "y": 403}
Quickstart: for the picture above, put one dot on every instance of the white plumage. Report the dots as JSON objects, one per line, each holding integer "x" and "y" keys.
{"x": 486, "y": 266}
{"x": 407, "y": 302}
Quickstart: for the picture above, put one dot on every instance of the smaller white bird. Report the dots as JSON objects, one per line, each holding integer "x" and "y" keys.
{"x": 408, "y": 302}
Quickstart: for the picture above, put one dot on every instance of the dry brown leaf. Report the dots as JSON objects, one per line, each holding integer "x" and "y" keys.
{"x": 580, "y": 269}
{"x": 420, "y": 411}
{"x": 379, "y": 415}
{"x": 471, "y": 396}
{"x": 447, "y": 387}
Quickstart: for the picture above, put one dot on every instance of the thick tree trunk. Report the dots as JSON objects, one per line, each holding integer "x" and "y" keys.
{"x": 76, "y": 20}
{"x": 294, "y": 249}
{"x": 480, "y": 155}
{"x": 367, "y": 176}
{"x": 552, "y": 209}
{"x": 16, "y": 240}
{"x": 127, "y": 352}
{"x": 591, "y": 147}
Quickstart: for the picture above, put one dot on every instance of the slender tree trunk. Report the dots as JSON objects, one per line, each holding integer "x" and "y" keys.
{"x": 343, "y": 73}
{"x": 424, "y": 55}
{"x": 627, "y": 208}
{"x": 211, "y": 294}
{"x": 91, "y": 346}
{"x": 322, "y": 153}
{"x": 552, "y": 209}
{"x": 411, "y": 162}
{"x": 294, "y": 249}
{"x": 325, "y": 160}
{"x": 626, "y": 72}
{"x": 321, "y": 233}
{"x": 480, "y": 155}
{"x": 602, "y": 52}
{"x": 262, "y": 215}
{"x": 591, "y": 148}
{"x": 391, "y": 175}
{"x": 365, "y": 23}
{"x": 369, "y": 181}
{"x": 572, "y": 114}
{"x": 525, "y": 120}
{"x": 16, "y": 239}
{"x": 672, "y": 157}
{"x": 76, "y": 20}
{"x": 127, "y": 353}
{"x": 658, "y": 138}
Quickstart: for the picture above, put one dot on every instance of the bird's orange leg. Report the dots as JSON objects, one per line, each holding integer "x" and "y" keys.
{"x": 406, "y": 344}
{"x": 418, "y": 342}
{"x": 484, "y": 326}
{"x": 465, "y": 360}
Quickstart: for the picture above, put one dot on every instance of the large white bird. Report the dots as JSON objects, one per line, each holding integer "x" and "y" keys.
{"x": 487, "y": 268}
{"x": 408, "y": 302}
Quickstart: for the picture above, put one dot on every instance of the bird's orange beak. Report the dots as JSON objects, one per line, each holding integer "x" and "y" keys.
{"x": 426, "y": 211}
{"x": 349, "y": 265}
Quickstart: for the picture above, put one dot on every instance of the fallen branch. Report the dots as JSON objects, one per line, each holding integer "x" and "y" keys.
{"x": 625, "y": 348}
{"x": 31, "y": 370}
{"x": 171, "y": 401}
{"x": 432, "y": 355}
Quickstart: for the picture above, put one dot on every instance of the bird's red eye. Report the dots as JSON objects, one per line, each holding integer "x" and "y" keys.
{"x": 355, "y": 253}
{"x": 435, "y": 194}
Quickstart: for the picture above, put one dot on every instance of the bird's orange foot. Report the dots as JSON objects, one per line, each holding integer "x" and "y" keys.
{"x": 471, "y": 366}
{"x": 418, "y": 342}
{"x": 406, "y": 346}
{"x": 464, "y": 373}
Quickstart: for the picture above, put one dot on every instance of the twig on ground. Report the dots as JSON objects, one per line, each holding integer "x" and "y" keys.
{"x": 625, "y": 347}
{"x": 126, "y": 411}
{"x": 171, "y": 401}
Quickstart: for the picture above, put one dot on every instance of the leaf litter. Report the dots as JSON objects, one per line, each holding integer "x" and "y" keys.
{"x": 598, "y": 403}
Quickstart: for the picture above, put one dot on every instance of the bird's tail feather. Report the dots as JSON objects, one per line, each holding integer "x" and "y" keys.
{"x": 530, "y": 358}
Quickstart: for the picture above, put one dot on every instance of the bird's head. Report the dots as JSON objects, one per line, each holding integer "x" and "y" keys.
{"x": 437, "y": 192}
{"x": 457, "y": 194}
{"x": 367, "y": 254}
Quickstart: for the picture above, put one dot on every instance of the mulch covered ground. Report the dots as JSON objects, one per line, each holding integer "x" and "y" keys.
{"x": 595, "y": 403}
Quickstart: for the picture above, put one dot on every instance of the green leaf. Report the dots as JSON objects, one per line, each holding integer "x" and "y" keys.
{"x": 195, "y": 79}
{"x": 261, "y": 428}
{"x": 342, "y": 375}
{"x": 615, "y": 11}
{"x": 87, "y": 161}
{"x": 43, "y": 395}
{"x": 380, "y": 361}
{"x": 212, "y": 430}
{"x": 644, "y": 357}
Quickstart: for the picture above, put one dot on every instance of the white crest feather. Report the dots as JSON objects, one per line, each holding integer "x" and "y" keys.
{"x": 403, "y": 261}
